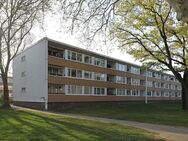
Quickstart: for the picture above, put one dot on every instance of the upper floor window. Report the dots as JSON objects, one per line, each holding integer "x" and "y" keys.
{"x": 99, "y": 62}
{"x": 121, "y": 67}
{"x": 87, "y": 59}
{"x": 99, "y": 76}
{"x": 87, "y": 74}
{"x": 23, "y": 58}
{"x": 55, "y": 71}
{"x": 56, "y": 52}
{"x": 135, "y": 70}
{"x": 135, "y": 81}
{"x": 120, "y": 79}
{"x": 74, "y": 56}
{"x": 74, "y": 73}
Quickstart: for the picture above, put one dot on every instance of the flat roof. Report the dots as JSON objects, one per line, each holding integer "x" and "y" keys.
{"x": 87, "y": 51}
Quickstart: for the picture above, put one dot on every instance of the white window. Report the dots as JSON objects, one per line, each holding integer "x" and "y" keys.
{"x": 149, "y": 93}
{"x": 99, "y": 62}
{"x": 56, "y": 89}
{"x": 23, "y": 58}
{"x": 87, "y": 74}
{"x": 135, "y": 92}
{"x": 135, "y": 81}
{"x": 74, "y": 56}
{"x": 74, "y": 73}
{"x": 55, "y": 71}
{"x": 166, "y": 94}
{"x": 121, "y": 67}
{"x": 99, "y": 76}
{"x": 135, "y": 70}
{"x": 129, "y": 92}
{"x": 99, "y": 91}
{"x": 87, "y": 59}
{"x": 149, "y": 74}
{"x": 121, "y": 92}
{"x": 149, "y": 83}
{"x": 120, "y": 79}
{"x": 75, "y": 90}
{"x": 87, "y": 90}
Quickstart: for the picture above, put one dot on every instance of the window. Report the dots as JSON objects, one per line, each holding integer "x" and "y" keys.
{"x": 135, "y": 92}
{"x": 56, "y": 89}
{"x": 121, "y": 67}
{"x": 87, "y": 74}
{"x": 149, "y": 83}
{"x": 23, "y": 90}
{"x": 23, "y": 74}
{"x": 56, "y": 52}
{"x": 87, "y": 59}
{"x": 149, "y": 93}
{"x": 99, "y": 91}
{"x": 121, "y": 92}
{"x": 55, "y": 71}
{"x": 135, "y": 70}
{"x": 99, "y": 62}
{"x": 74, "y": 73}
{"x": 87, "y": 90}
{"x": 135, "y": 81}
{"x": 129, "y": 80}
{"x": 149, "y": 74}
{"x": 120, "y": 79}
{"x": 129, "y": 92}
{"x": 22, "y": 58}
{"x": 73, "y": 89}
{"x": 74, "y": 56}
{"x": 99, "y": 76}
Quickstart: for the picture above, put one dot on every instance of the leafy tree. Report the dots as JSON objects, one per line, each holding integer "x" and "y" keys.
{"x": 181, "y": 8}
{"x": 17, "y": 18}
{"x": 147, "y": 29}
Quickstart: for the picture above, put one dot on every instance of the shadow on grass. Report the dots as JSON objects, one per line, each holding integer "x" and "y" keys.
{"x": 23, "y": 125}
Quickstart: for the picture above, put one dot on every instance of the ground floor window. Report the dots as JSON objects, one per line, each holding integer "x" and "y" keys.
{"x": 121, "y": 92}
{"x": 56, "y": 89}
{"x": 99, "y": 91}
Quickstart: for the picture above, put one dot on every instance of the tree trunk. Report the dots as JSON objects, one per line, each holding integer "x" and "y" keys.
{"x": 185, "y": 91}
{"x": 6, "y": 103}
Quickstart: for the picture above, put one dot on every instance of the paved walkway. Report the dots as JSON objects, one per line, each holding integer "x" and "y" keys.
{"x": 170, "y": 133}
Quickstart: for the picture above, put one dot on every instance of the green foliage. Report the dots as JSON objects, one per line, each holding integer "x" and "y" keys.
{"x": 148, "y": 30}
{"x": 157, "y": 113}
{"x": 27, "y": 126}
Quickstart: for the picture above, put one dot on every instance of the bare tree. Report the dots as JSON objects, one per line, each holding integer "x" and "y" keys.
{"x": 17, "y": 18}
{"x": 147, "y": 29}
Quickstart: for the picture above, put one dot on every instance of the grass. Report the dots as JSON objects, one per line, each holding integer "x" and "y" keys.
{"x": 1, "y": 100}
{"x": 31, "y": 126}
{"x": 157, "y": 113}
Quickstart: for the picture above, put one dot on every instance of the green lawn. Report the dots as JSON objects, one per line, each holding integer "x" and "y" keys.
{"x": 31, "y": 126}
{"x": 158, "y": 113}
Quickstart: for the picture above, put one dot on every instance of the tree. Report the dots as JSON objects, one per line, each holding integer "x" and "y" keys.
{"x": 17, "y": 18}
{"x": 181, "y": 8}
{"x": 147, "y": 29}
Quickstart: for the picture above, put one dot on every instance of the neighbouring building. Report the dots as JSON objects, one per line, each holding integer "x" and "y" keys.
{"x": 52, "y": 73}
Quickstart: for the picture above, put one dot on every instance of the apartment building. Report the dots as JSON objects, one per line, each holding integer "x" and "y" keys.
{"x": 52, "y": 73}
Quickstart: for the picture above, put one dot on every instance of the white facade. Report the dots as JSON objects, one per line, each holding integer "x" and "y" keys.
{"x": 30, "y": 75}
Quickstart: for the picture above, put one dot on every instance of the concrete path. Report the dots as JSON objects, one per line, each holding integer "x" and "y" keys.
{"x": 170, "y": 133}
